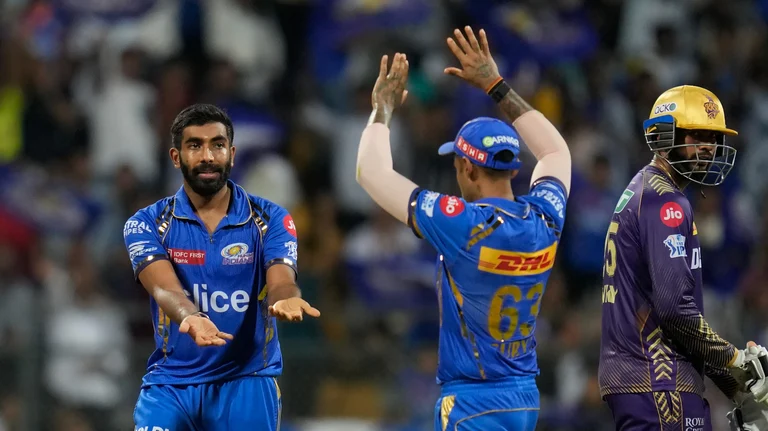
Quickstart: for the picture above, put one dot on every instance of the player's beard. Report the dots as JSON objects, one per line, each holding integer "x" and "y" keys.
{"x": 690, "y": 168}
{"x": 203, "y": 186}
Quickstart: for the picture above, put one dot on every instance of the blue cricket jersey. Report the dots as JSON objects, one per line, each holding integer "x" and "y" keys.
{"x": 224, "y": 274}
{"x": 495, "y": 256}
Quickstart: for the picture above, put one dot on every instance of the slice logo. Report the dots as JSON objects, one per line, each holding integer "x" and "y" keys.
{"x": 671, "y": 214}
{"x": 218, "y": 301}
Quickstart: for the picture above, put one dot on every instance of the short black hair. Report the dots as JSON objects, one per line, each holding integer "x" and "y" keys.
{"x": 504, "y": 156}
{"x": 199, "y": 115}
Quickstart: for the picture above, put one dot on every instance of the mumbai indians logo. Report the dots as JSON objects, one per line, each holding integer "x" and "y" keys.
{"x": 236, "y": 254}
{"x": 711, "y": 108}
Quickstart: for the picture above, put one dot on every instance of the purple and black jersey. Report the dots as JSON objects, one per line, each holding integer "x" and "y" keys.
{"x": 654, "y": 337}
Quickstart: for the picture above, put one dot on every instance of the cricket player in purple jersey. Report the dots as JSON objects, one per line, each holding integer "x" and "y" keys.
{"x": 656, "y": 345}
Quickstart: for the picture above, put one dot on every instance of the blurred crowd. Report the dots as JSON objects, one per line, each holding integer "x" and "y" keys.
{"x": 88, "y": 90}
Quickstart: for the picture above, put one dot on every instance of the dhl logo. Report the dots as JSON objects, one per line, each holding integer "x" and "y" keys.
{"x": 516, "y": 263}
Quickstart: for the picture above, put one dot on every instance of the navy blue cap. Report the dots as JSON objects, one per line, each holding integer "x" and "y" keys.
{"x": 479, "y": 140}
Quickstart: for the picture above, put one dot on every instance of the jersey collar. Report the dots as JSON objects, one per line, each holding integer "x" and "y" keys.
{"x": 239, "y": 210}
{"x": 513, "y": 208}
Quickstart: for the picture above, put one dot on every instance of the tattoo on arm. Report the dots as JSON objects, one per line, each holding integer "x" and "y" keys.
{"x": 485, "y": 71}
{"x": 513, "y": 106}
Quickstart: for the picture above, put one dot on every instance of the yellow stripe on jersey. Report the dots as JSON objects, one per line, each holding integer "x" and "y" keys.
{"x": 506, "y": 262}
{"x": 446, "y": 407}
{"x": 660, "y": 185}
{"x": 695, "y": 231}
{"x": 163, "y": 328}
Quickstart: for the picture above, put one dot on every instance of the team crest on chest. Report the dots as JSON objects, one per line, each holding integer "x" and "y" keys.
{"x": 236, "y": 254}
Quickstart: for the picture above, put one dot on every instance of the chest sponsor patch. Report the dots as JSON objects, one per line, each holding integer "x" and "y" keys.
{"x": 187, "y": 257}
{"x": 671, "y": 214}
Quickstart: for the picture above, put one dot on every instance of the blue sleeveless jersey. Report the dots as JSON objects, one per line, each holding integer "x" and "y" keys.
{"x": 495, "y": 256}
{"x": 224, "y": 274}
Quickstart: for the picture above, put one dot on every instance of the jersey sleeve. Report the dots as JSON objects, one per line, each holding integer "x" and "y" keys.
{"x": 281, "y": 241}
{"x": 142, "y": 241}
{"x": 665, "y": 226}
{"x": 443, "y": 220}
{"x": 724, "y": 380}
{"x": 549, "y": 195}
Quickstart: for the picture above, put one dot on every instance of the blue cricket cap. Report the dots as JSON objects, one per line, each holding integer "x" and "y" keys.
{"x": 481, "y": 139}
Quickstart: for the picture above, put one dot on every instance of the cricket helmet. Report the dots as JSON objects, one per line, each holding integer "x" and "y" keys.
{"x": 684, "y": 110}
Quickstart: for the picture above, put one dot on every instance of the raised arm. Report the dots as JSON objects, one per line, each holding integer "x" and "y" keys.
{"x": 541, "y": 136}
{"x": 375, "y": 170}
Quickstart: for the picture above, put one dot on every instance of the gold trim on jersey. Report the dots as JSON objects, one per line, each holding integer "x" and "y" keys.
{"x": 660, "y": 354}
{"x": 446, "y": 407}
{"x": 660, "y": 185}
{"x": 465, "y": 332}
{"x": 163, "y": 329}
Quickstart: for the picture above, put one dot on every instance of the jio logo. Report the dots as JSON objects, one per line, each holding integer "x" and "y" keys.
{"x": 671, "y": 214}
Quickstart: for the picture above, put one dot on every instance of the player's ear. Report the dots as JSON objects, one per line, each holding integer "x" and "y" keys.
{"x": 232, "y": 150}
{"x": 175, "y": 157}
{"x": 473, "y": 171}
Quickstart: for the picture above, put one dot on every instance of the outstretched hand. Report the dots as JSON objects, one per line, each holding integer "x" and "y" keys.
{"x": 292, "y": 310}
{"x": 203, "y": 331}
{"x": 477, "y": 65}
{"x": 389, "y": 91}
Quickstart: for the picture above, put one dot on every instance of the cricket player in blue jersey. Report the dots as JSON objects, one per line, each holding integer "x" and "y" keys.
{"x": 220, "y": 266}
{"x": 496, "y": 250}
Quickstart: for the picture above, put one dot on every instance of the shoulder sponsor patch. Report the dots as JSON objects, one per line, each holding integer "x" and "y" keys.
{"x": 676, "y": 245}
{"x": 140, "y": 248}
{"x": 289, "y": 225}
{"x": 293, "y": 249}
{"x": 451, "y": 206}
{"x": 135, "y": 227}
{"x": 550, "y": 196}
{"x": 624, "y": 200}
{"x": 428, "y": 203}
{"x": 236, "y": 254}
{"x": 671, "y": 214}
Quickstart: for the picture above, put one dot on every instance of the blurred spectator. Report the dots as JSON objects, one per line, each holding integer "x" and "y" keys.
{"x": 85, "y": 371}
{"x": 591, "y": 203}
